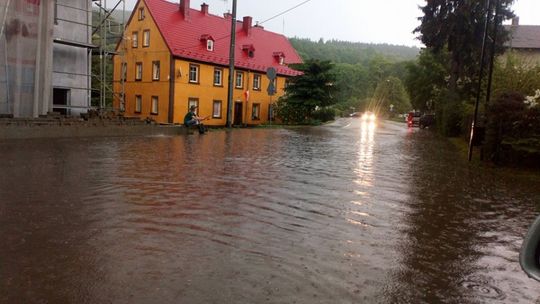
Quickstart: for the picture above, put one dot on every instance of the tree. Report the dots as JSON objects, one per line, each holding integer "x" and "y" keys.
{"x": 305, "y": 93}
{"x": 359, "y": 67}
{"x": 455, "y": 29}
{"x": 391, "y": 92}
{"x": 458, "y": 27}
{"x": 351, "y": 81}
{"x": 426, "y": 80}
{"x": 514, "y": 113}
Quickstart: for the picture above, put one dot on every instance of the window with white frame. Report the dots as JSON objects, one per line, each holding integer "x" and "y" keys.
{"x": 141, "y": 13}
{"x": 193, "y": 73}
{"x": 239, "y": 83}
{"x": 146, "y": 38}
{"x": 155, "y": 70}
{"x": 135, "y": 39}
{"x": 193, "y": 102}
{"x": 216, "y": 109}
{"x": 256, "y": 111}
{"x": 123, "y": 76}
{"x": 257, "y": 82}
{"x": 218, "y": 77}
{"x": 122, "y": 102}
{"x": 155, "y": 102}
{"x": 210, "y": 45}
{"x": 138, "y": 103}
{"x": 138, "y": 71}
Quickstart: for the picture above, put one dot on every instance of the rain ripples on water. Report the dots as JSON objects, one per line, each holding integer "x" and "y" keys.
{"x": 345, "y": 213}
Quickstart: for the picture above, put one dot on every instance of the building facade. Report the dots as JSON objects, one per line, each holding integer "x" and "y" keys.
{"x": 175, "y": 57}
{"x": 72, "y": 38}
{"x": 524, "y": 42}
{"x": 44, "y": 56}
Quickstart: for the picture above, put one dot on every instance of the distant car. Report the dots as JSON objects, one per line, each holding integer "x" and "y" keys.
{"x": 413, "y": 119}
{"x": 426, "y": 121}
{"x": 369, "y": 116}
{"x": 355, "y": 114}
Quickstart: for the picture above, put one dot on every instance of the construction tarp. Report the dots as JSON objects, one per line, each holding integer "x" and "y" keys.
{"x": 19, "y": 37}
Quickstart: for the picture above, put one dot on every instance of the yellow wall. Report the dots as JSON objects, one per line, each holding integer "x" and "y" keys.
{"x": 206, "y": 93}
{"x": 157, "y": 51}
{"x": 205, "y": 90}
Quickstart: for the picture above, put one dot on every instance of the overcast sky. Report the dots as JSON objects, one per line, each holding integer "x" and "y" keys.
{"x": 351, "y": 20}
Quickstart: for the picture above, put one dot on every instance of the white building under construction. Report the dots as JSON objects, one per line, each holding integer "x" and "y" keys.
{"x": 45, "y": 55}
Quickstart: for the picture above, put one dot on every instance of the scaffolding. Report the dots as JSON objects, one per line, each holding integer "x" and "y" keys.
{"x": 104, "y": 32}
{"x": 69, "y": 18}
{"x": 107, "y": 33}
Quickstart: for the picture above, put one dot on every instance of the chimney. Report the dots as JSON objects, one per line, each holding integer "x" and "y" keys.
{"x": 246, "y": 25}
{"x": 184, "y": 8}
{"x": 515, "y": 21}
{"x": 227, "y": 15}
{"x": 204, "y": 8}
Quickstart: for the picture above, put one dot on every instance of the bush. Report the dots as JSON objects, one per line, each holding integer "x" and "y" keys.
{"x": 451, "y": 117}
{"x": 324, "y": 114}
{"x": 289, "y": 112}
{"x": 513, "y": 124}
{"x": 293, "y": 113}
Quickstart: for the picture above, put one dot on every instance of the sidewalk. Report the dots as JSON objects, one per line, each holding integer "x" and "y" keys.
{"x": 59, "y": 126}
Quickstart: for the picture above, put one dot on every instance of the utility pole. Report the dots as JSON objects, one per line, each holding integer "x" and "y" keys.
{"x": 231, "y": 66}
{"x": 481, "y": 76}
{"x": 492, "y": 55}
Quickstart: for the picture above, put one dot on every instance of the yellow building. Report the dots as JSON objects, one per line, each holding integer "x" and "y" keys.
{"x": 174, "y": 57}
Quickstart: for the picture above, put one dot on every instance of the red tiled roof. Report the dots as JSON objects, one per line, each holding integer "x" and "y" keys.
{"x": 183, "y": 38}
{"x": 524, "y": 36}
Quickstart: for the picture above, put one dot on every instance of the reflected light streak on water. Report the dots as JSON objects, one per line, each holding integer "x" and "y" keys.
{"x": 365, "y": 153}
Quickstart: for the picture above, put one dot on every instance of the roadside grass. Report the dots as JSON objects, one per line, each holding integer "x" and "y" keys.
{"x": 462, "y": 147}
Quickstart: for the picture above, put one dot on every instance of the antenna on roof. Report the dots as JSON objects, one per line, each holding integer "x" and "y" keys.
{"x": 226, "y": 3}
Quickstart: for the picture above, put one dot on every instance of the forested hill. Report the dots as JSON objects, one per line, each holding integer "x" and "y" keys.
{"x": 351, "y": 52}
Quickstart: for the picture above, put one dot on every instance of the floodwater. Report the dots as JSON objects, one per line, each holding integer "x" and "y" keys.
{"x": 345, "y": 213}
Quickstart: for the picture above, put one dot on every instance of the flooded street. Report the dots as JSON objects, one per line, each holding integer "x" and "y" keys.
{"x": 345, "y": 213}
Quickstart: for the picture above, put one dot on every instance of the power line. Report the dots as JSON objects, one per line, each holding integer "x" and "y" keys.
{"x": 284, "y": 12}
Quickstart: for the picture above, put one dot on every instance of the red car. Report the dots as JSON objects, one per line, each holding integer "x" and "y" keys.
{"x": 413, "y": 119}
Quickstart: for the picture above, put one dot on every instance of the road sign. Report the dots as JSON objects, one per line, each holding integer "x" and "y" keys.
{"x": 271, "y": 74}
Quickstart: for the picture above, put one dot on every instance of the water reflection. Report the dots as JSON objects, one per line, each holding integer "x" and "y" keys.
{"x": 446, "y": 249}
{"x": 365, "y": 153}
{"x": 344, "y": 213}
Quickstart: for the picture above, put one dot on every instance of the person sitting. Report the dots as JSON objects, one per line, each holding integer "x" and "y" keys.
{"x": 191, "y": 119}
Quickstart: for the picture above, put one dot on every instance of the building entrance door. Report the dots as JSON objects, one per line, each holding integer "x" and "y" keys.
{"x": 237, "y": 114}
{"x": 60, "y": 98}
